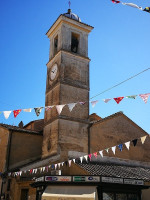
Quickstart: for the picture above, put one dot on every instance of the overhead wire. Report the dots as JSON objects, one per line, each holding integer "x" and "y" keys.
{"x": 120, "y": 83}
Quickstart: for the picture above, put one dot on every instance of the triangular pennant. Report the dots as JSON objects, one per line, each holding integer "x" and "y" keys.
{"x": 47, "y": 168}
{"x": 55, "y": 166}
{"x": 38, "y": 110}
{"x": 101, "y": 153}
{"x": 115, "y": 1}
{"x": 144, "y": 97}
{"x": 120, "y": 146}
{"x": 90, "y": 156}
{"x": 59, "y": 108}
{"x": 43, "y": 169}
{"x": 86, "y": 157}
{"x": 127, "y": 145}
{"x": 106, "y": 100}
{"x": 81, "y": 159}
{"x": 16, "y": 112}
{"x": 114, "y": 149}
{"x": 6, "y": 114}
{"x": 74, "y": 160}
{"x": 131, "y": 97}
{"x": 69, "y": 163}
{"x": 48, "y": 108}
{"x": 132, "y": 5}
{"x": 62, "y": 164}
{"x": 107, "y": 150}
{"x": 134, "y": 142}
{"x": 143, "y": 139}
{"x": 95, "y": 154}
{"x": 94, "y": 103}
{"x": 147, "y": 9}
{"x": 27, "y": 110}
{"x": 82, "y": 103}
{"x": 66, "y": 162}
{"x": 59, "y": 165}
{"x": 71, "y": 106}
{"x": 118, "y": 99}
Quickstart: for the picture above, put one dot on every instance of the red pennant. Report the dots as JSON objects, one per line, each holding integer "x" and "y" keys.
{"x": 90, "y": 156}
{"x": 115, "y": 1}
{"x": 95, "y": 154}
{"x": 16, "y": 112}
{"x": 118, "y": 99}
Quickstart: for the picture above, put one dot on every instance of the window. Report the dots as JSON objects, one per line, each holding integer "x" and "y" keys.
{"x": 55, "y": 44}
{"x": 74, "y": 42}
{"x": 119, "y": 196}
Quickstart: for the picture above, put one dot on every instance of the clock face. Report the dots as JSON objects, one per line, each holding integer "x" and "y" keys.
{"x": 53, "y": 72}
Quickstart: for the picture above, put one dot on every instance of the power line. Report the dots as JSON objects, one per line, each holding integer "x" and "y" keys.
{"x": 120, "y": 83}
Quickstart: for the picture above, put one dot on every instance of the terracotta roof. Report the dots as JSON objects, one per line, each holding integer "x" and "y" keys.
{"x": 16, "y": 128}
{"x": 114, "y": 170}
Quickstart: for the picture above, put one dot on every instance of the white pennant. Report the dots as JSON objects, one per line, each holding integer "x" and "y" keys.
{"x": 55, "y": 166}
{"x": 27, "y": 110}
{"x": 43, "y": 169}
{"x": 69, "y": 163}
{"x": 114, "y": 149}
{"x": 71, "y": 106}
{"x": 86, "y": 157}
{"x": 94, "y": 103}
{"x": 62, "y": 163}
{"x": 143, "y": 139}
{"x": 81, "y": 159}
{"x": 101, "y": 153}
{"x": 106, "y": 100}
{"x": 6, "y": 114}
{"x": 59, "y": 108}
{"x": 127, "y": 145}
{"x": 59, "y": 165}
{"x": 74, "y": 160}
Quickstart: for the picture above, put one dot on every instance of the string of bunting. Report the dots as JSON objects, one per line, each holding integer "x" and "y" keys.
{"x": 59, "y": 108}
{"x": 85, "y": 157}
{"x": 147, "y": 9}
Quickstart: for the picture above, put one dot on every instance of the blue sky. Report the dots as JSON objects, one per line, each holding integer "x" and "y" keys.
{"x": 118, "y": 49}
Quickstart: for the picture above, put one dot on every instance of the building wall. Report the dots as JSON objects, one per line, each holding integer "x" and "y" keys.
{"x": 118, "y": 130}
{"x": 25, "y": 148}
{"x": 146, "y": 194}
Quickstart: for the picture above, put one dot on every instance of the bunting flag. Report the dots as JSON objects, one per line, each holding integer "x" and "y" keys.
{"x": 55, "y": 166}
{"x": 90, "y": 156}
{"x": 143, "y": 139}
{"x": 134, "y": 142}
{"x": 94, "y": 103}
{"x": 74, "y": 160}
{"x": 132, "y": 5}
{"x": 16, "y": 112}
{"x": 144, "y": 97}
{"x": 147, "y": 9}
{"x": 71, "y": 106}
{"x": 127, "y": 145}
{"x": 115, "y": 1}
{"x": 106, "y": 100}
{"x": 82, "y": 103}
{"x": 101, "y": 153}
{"x": 59, "y": 165}
{"x": 27, "y": 110}
{"x": 86, "y": 158}
{"x": 69, "y": 163}
{"x": 38, "y": 110}
{"x": 131, "y": 97}
{"x": 81, "y": 159}
{"x": 118, "y": 99}
{"x": 48, "y": 108}
{"x": 120, "y": 146}
{"x": 95, "y": 154}
{"x": 107, "y": 150}
{"x": 62, "y": 164}
{"x": 6, "y": 114}
{"x": 59, "y": 108}
{"x": 114, "y": 149}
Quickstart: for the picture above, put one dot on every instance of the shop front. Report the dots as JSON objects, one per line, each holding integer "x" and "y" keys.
{"x": 88, "y": 187}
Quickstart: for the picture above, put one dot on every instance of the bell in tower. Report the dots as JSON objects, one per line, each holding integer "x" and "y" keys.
{"x": 67, "y": 82}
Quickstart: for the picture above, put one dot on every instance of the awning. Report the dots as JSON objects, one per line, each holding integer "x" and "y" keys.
{"x": 70, "y": 193}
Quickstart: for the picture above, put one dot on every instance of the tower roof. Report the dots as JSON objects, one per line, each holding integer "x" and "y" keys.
{"x": 72, "y": 15}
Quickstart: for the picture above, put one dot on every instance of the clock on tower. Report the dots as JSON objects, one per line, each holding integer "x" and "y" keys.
{"x": 67, "y": 82}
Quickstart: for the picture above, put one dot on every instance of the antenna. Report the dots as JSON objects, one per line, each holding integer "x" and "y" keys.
{"x": 69, "y": 4}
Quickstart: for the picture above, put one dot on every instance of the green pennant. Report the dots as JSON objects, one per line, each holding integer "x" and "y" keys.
{"x": 132, "y": 97}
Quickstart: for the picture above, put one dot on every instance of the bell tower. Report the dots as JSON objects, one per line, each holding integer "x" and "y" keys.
{"x": 67, "y": 82}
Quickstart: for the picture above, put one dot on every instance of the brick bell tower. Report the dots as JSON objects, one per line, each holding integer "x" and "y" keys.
{"x": 67, "y": 82}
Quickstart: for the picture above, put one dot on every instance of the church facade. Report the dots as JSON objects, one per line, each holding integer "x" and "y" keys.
{"x": 31, "y": 155}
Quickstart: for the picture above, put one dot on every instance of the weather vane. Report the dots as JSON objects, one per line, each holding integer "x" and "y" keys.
{"x": 69, "y": 4}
